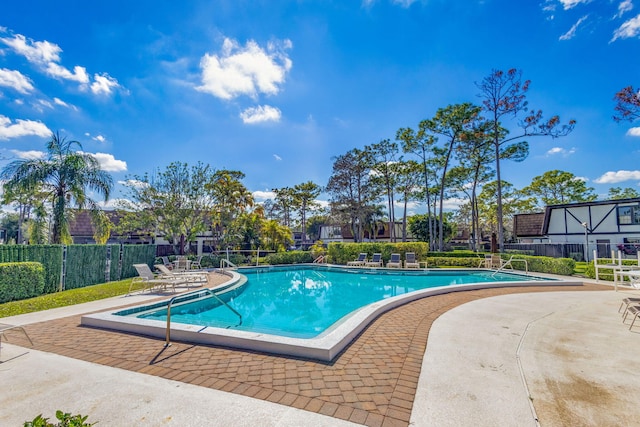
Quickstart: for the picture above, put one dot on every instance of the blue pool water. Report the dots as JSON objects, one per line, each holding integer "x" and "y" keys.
{"x": 302, "y": 302}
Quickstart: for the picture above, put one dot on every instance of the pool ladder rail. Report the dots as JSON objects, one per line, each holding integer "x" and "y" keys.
{"x": 200, "y": 293}
{"x": 509, "y": 264}
{"x": 225, "y": 263}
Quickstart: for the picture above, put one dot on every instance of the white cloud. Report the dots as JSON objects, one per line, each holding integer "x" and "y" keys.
{"x": 99, "y": 138}
{"x": 261, "y": 113}
{"x": 560, "y": 150}
{"x": 29, "y": 155}
{"x": 46, "y": 56}
{"x": 264, "y": 195}
{"x": 16, "y": 80}
{"x": 111, "y": 204}
{"x": 79, "y": 73}
{"x": 36, "y": 52}
{"x": 22, "y": 128}
{"x": 624, "y": 7}
{"x": 569, "y": 4}
{"x": 248, "y": 70}
{"x": 618, "y": 176}
{"x": 404, "y": 3}
{"x": 278, "y": 158}
{"x": 103, "y": 84}
{"x": 322, "y": 203}
{"x": 630, "y": 28}
{"x": 572, "y": 31}
{"x": 453, "y": 203}
{"x": 134, "y": 183}
{"x": 634, "y": 131}
{"x": 61, "y": 103}
{"x": 108, "y": 162}
{"x": 44, "y": 103}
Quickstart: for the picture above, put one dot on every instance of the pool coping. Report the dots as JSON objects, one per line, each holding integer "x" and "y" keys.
{"x": 325, "y": 347}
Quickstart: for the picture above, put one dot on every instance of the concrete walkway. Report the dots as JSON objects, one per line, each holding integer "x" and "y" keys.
{"x": 563, "y": 357}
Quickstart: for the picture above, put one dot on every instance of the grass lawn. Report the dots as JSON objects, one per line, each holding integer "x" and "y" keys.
{"x": 580, "y": 268}
{"x": 65, "y": 298}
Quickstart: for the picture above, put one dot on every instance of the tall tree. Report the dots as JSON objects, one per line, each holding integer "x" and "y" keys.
{"x": 452, "y": 123}
{"x": 230, "y": 197}
{"x": 26, "y": 202}
{"x": 176, "y": 203}
{"x": 385, "y": 158}
{"x": 275, "y": 236}
{"x": 421, "y": 144}
{"x": 627, "y": 104}
{"x": 474, "y": 154}
{"x": 408, "y": 178}
{"x": 284, "y": 205}
{"x": 352, "y": 196}
{"x": 514, "y": 201}
{"x": 557, "y": 187}
{"x": 503, "y": 96}
{"x": 10, "y": 222}
{"x": 66, "y": 176}
{"x": 304, "y": 198}
{"x": 617, "y": 193}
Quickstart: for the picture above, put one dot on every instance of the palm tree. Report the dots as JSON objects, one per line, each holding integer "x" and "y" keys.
{"x": 66, "y": 177}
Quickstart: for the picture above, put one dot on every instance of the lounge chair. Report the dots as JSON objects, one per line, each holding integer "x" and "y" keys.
{"x": 492, "y": 261}
{"x": 195, "y": 264}
{"x": 150, "y": 281}
{"x": 181, "y": 263}
{"x": 187, "y": 277}
{"x": 626, "y": 302}
{"x": 410, "y": 260}
{"x": 5, "y": 327}
{"x": 362, "y": 260}
{"x": 635, "y": 311}
{"x": 166, "y": 262}
{"x": 394, "y": 261}
{"x": 376, "y": 261}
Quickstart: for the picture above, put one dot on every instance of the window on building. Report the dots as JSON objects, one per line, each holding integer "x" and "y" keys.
{"x": 629, "y": 215}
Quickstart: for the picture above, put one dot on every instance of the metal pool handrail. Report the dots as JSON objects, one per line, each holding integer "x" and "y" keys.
{"x": 509, "y": 264}
{"x": 200, "y": 291}
{"x": 228, "y": 263}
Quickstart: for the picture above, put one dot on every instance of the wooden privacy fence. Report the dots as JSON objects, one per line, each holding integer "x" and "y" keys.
{"x": 77, "y": 266}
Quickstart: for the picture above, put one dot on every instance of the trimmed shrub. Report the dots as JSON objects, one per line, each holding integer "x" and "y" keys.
{"x": 21, "y": 280}
{"x": 290, "y": 257}
{"x": 605, "y": 273}
{"x": 342, "y": 253}
{"x": 50, "y": 256}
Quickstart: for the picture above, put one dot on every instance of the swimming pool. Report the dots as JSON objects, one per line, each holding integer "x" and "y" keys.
{"x": 305, "y": 302}
{"x": 305, "y": 310}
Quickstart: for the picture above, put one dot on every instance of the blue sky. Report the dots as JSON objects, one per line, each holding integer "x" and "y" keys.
{"x": 277, "y": 88}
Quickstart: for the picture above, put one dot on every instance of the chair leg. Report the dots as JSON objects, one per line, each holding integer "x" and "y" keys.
{"x": 634, "y": 320}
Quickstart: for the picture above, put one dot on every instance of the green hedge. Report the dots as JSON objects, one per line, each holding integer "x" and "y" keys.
{"x": 537, "y": 264}
{"x": 21, "y": 280}
{"x": 342, "y": 253}
{"x": 86, "y": 265}
{"x": 605, "y": 273}
{"x": 289, "y": 257}
{"x": 50, "y": 256}
{"x": 135, "y": 254}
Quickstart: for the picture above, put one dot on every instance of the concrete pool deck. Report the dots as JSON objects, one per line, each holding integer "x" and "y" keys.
{"x": 485, "y": 349}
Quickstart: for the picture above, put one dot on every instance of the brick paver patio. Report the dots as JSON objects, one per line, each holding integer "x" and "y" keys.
{"x": 372, "y": 382}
